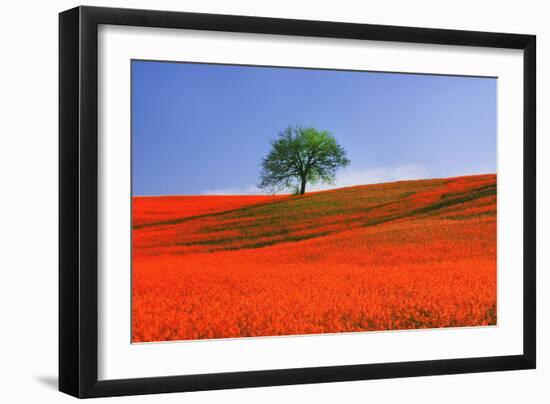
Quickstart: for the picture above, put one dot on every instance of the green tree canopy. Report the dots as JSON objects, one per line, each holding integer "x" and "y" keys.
{"x": 301, "y": 155}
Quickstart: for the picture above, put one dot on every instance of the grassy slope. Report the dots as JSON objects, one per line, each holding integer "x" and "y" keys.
{"x": 290, "y": 219}
{"x": 404, "y": 255}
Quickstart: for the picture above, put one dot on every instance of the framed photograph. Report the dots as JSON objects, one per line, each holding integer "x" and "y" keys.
{"x": 251, "y": 201}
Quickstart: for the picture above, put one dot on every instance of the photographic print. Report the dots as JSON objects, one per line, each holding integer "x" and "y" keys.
{"x": 271, "y": 201}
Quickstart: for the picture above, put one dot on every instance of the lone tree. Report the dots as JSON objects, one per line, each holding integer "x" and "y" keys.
{"x": 301, "y": 155}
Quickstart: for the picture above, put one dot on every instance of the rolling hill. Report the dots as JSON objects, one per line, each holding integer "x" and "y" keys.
{"x": 401, "y": 255}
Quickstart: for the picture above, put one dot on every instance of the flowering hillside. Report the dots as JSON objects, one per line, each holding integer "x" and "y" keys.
{"x": 402, "y": 255}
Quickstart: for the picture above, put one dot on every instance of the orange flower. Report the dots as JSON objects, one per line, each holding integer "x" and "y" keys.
{"x": 403, "y": 255}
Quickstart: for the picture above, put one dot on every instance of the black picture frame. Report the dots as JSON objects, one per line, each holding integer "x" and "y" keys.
{"x": 78, "y": 201}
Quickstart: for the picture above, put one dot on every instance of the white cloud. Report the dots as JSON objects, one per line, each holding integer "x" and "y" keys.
{"x": 349, "y": 177}
{"x": 345, "y": 178}
{"x": 246, "y": 190}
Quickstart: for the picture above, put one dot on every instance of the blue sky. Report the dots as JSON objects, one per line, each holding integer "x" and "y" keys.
{"x": 203, "y": 129}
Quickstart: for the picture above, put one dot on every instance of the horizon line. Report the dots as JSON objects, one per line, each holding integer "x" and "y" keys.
{"x": 313, "y": 192}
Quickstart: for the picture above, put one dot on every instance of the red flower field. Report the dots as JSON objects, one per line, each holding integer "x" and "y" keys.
{"x": 401, "y": 255}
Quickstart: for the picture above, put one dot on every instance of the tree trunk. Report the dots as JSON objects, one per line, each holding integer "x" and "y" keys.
{"x": 303, "y": 186}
